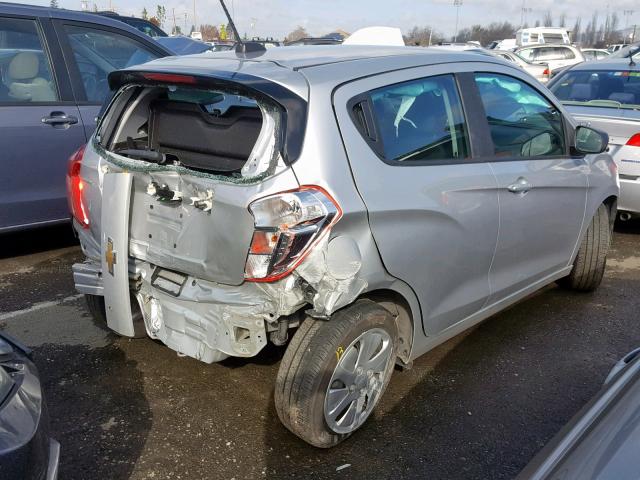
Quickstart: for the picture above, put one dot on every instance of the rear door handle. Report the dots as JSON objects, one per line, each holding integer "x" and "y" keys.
{"x": 521, "y": 186}
{"x": 59, "y": 118}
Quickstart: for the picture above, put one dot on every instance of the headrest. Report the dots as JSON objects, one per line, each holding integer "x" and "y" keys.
{"x": 623, "y": 97}
{"x": 23, "y": 66}
{"x": 581, "y": 92}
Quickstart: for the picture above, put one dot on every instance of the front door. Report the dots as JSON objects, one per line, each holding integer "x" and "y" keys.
{"x": 542, "y": 190}
{"x": 433, "y": 210}
{"x": 39, "y": 131}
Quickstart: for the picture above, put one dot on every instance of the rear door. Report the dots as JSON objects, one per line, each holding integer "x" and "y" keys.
{"x": 40, "y": 124}
{"x": 433, "y": 209}
{"x": 542, "y": 189}
{"x": 92, "y": 51}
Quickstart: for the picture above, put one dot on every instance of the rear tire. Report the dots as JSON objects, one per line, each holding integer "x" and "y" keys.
{"x": 589, "y": 265}
{"x": 95, "y": 304}
{"x": 307, "y": 374}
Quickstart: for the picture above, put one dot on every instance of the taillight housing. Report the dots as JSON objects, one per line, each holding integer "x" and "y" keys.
{"x": 634, "y": 141}
{"x": 287, "y": 227}
{"x": 546, "y": 72}
{"x": 75, "y": 188}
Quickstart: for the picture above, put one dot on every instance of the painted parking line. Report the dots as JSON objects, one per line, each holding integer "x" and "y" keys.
{"x": 39, "y": 306}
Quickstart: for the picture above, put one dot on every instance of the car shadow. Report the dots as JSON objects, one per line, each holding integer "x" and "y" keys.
{"x": 481, "y": 405}
{"x": 629, "y": 226}
{"x": 16, "y": 244}
{"x": 98, "y": 409}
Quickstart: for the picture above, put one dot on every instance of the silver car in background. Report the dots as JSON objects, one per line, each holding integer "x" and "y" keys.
{"x": 554, "y": 56}
{"x": 372, "y": 202}
{"x": 601, "y": 441}
{"x": 606, "y": 95}
{"x": 537, "y": 71}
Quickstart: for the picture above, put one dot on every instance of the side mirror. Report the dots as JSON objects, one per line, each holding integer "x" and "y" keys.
{"x": 542, "y": 144}
{"x": 589, "y": 141}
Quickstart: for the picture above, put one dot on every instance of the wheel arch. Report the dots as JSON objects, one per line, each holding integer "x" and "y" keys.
{"x": 407, "y": 316}
{"x": 612, "y": 204}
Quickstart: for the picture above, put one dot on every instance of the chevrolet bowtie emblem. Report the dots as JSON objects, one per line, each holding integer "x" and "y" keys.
{"x": 110, "y": 256}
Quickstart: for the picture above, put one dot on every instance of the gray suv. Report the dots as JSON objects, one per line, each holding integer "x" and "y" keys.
{"x": 360, "y": 204}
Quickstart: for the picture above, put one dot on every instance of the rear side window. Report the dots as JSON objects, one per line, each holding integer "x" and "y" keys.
{"x": 523, "y": 123}
{"x": 421, "y": 120}
{"x": 25, "y": 73}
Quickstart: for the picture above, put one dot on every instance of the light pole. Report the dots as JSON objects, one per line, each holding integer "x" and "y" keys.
{"x": 457, "y": 4}
{"x": 627, "y": 14}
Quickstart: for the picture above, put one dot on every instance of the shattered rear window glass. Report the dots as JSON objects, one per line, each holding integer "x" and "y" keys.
{"x": 210, "y": 131}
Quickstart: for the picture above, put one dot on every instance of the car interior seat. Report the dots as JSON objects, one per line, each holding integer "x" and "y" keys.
{"x": 581, "y": 92}
{"x": 23, "y": 81}
{"x": 426, "y": 124}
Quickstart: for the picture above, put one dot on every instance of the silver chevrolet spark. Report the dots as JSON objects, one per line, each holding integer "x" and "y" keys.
{"x": 360, "y": 204}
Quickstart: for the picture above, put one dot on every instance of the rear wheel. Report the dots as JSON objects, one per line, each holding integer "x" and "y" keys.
{"x": 589, "y": 265}
{"x": 334, "y": 373}
{"x": 95, "y": 304}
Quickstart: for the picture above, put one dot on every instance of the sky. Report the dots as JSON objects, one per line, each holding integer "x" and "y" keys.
{"x": 276, "y": 18}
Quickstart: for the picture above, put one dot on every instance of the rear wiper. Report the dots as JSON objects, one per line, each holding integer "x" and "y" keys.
{"x": 148, "y": 155}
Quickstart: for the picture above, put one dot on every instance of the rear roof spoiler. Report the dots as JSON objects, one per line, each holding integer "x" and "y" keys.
{"x": 295, "y": 107}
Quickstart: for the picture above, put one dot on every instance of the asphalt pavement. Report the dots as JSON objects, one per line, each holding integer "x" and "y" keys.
{"x": 478, "y": 407}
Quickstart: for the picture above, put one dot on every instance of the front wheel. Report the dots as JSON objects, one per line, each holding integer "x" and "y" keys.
{"x": 334, "y": 373}
{"x": 588, "y": 268}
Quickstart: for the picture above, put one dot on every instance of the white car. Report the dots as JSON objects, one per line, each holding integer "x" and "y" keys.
{"x": 591, "y": 54}
{"x": 555, "y": 56}
{"x": 539, "y": 72}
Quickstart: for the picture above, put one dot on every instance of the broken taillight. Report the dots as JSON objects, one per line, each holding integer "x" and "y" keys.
{"x": 75, "y": 188}
{"x": 287, "y": 226}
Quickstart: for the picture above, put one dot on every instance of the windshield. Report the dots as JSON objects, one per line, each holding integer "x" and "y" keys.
{"x": 625, "y": 52}
{"x": 599, "y": 88}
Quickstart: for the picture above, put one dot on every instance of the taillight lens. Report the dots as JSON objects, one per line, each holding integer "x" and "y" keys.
{"x": 546, "y": 72}
{"x": 634, "y": 141}
{"x": 75, "y": 188}
{"x": 287, "y": 226}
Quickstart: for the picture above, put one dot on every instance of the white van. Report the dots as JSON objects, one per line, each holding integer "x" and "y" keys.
{"x": 537, "y": 35}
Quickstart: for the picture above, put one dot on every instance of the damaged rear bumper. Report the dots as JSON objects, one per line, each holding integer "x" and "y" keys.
{"x": 210, "y": 321}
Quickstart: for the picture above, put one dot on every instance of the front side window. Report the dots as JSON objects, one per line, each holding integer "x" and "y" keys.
{"x": 99, "y": 52}
{"x": 421, "y": 120}
{"x": 599, "y": 88}
{"x": 25, "y": 72}
{"x": 523, "y": 123}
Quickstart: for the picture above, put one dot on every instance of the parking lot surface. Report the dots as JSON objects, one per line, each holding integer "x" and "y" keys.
{"x": 479, "y": 406}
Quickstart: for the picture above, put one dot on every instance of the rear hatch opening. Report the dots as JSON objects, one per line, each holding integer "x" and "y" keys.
{"x": 216, "y": 132}
{"x": 198, "y": 155}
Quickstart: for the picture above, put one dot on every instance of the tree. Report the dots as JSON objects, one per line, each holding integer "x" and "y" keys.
{"x": 487, "y": 34}
{"x": 223, "y": 32}
{"x": 209, "y": 32}
{"x": 145, "y": 14}
{"x": 563, "y": 20}
{"x": 423, "y": 36}
{"x": 176, "y": 30}
{"x": 230, "y": 34}
{"x": 298, "y": 34}
{"x": 547, "y": 19}
{"x": 161, "y": 15}
{"x": 577, "y": 32}
{"x": 54, "y": 4}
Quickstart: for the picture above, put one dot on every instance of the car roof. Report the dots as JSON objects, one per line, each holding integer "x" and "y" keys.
{"x": 307, "y": 56}
{"x": 606, "y": 64}
{"x": 294, "y": 67}
{"x": 64, "y": 14}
